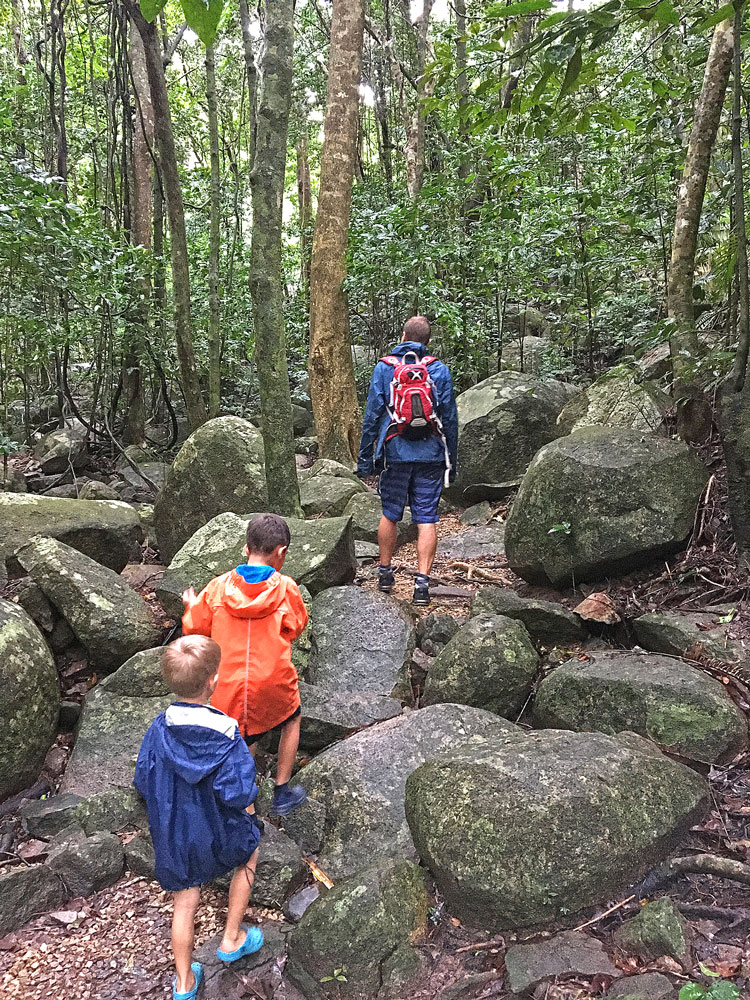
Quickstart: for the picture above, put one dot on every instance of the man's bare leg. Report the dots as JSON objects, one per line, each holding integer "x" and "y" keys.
{"x": 387, "y": 538}
{"x": 426, "y": 547}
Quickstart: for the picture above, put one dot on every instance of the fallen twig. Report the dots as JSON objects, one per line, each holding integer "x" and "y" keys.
{"x": 711, "y": 864}
{"x": 601, "y": 916}
{"x": 471, "y": 571}
{"x": 498, "y": 942}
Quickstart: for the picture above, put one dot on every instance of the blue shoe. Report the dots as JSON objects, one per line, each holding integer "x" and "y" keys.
{"x": 286, "y": 800}
{"x": 191, "y": 994}
{"x": 253, "y": 942}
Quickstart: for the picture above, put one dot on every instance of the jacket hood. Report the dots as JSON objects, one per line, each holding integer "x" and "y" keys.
{"x": 408, "y": 346}
{"x": 253, "y": 600}
{"x": 195, "y": 739}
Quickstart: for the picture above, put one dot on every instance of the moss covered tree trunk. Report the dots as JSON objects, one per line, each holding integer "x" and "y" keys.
{"x": 332, "y": 387}
{"x": 214, "y": 311}
{"x": 134, "y": 431}
{"x": 266, "y": 274}
{"x": 183, "y": 327}
{"x": 684, "y": 339}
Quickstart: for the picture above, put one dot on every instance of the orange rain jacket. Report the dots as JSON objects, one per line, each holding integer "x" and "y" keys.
{"x": 255, "y": 625}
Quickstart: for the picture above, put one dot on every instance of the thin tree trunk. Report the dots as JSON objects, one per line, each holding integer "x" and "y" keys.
{"x": 251, "y": 72}
{"x": 304, "y": 197}
{"x": 333, "y": 391}
{"x": 415, "y": 125}
{"x": 134, "y": 431}
{"x": 196, "y": 410}
{"x": 266, "y": 271}
{"x": 684, "y": 340}
{"x": 214, "y": 236}
{"x": 521, "y": 39}
{"x": 462, "y": 83}
{"x": 743, "y": 342}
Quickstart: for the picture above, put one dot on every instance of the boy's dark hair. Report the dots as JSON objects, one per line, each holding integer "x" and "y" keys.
{"x": 265, "y": 532}
{"x": 189, "y": 663}
{"x": 418, "y": 328}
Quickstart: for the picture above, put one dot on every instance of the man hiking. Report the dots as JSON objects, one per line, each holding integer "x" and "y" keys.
{"x": 411, "y": 430}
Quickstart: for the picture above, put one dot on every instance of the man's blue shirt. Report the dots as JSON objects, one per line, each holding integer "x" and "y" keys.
{"x": 377, "y": 418}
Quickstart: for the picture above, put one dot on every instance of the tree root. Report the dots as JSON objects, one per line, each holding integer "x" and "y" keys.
{"x": 711, "y": 864}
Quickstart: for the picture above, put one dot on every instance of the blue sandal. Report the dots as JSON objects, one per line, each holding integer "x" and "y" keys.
{"x": 191, "y": 994}
{"x": 253, "y": 942}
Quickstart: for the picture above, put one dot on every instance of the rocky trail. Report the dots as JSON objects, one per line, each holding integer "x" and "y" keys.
{"x": 538, "y": 786}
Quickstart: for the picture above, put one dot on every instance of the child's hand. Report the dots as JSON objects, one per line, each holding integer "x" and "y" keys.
{"x": 189, "y": 597}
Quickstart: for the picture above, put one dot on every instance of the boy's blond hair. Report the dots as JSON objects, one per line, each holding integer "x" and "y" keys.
{"x": 189, "y": 664}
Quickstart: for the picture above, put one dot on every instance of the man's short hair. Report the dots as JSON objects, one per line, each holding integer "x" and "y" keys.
{"x": 418, "y": 328}
{"x": 189, "y": 663}
{"x": 266, "y": 532}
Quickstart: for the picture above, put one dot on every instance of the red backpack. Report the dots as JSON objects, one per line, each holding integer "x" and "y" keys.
{"x": 412, "y": 405}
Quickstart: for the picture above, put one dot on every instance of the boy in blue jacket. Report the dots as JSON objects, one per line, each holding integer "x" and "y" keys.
{"x": 416, "y": 466}
{"x": 198, "y": 779}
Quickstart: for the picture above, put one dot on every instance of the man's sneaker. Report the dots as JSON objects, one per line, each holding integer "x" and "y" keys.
{"x": 386, "y": 579}
{"x": 421, "y": 595}
{"x": 286, "y": 800}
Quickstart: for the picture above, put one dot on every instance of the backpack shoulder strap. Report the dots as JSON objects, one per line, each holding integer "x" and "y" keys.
{"x": 428, "y": 359}
{"x": 391, "y": 360}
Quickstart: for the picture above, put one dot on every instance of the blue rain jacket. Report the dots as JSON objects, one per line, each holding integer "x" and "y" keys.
{"x": 197, "y": 776}
{"x": 377, "y": 420}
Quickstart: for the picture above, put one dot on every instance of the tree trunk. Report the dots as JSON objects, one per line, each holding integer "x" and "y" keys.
{"x": 266, "y": 271}
{"x": 196, "y": 410}
{"x": 415, "y": 125}
{"x": 134, "y": 431}
{"x": 304, "y": 197}
{"x": 684, "y": 340}
{"x": 743, "y": 342}
{"x": 251, "y": 73}
{"x": 462, "y": 83}
{"x": 214, "y": 236}
{"x": 735, "y": 426}
{"x": 332, "y": 386}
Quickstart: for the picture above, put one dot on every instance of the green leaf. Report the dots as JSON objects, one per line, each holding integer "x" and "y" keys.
{"x": 666, "y": 14}
{"x": 692, "y": 992}
{"x": 520, "y": 8}
{"x": 723, "y": 991}
{"x": 708, "y": 972}
{"x": 572, "y": 73}
{"x": 556, "y": 55}
{"x": 722, "y": 14}
{"x": 554, "y": 19}
{"x": 203, "y": 16}
{"x": 151, "y": 8}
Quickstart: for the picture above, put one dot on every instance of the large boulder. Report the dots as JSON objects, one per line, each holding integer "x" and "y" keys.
{"x": 12, "y": 480}
{"x": 489, "y": 663}
{"x": 616, "y": 401}
{"x": 360, "y": 642}
{"x": 524, "y": 355}
{"x": 560, "y": 821}
{"x": 679, "y": 707}
{"x": 694, "y": 635}
{"x": 602, "y": 501}
{"x": 366, "y": 509}
{"x": 30, "y": 700}
{"x": 108, "y": 739}
{"x": 365, "y": 927}
{"x": 359, "y": 783}
{"x": 109, "y": 619}
{"x": 104, "y": 530}
{"x": 219, "y": 468}
{"x": 503, "y": 422}
{"x": 327, "y": 495}
{"x": 328, "y": 716}
{"x": 26, "y": 893}
{"x": 61, "y": 450}
{"x": 545, "y": 621}
{"x": 321, "y": 555}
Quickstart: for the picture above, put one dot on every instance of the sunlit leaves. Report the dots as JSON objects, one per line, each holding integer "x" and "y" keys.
{"x": 151, "y": 8}
{"x": 204, "y": 17}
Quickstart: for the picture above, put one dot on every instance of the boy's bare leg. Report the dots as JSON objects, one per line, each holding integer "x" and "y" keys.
{"x": 288, "y": 746}
{"x": 239, "y": 897}
{"x": 426, "y": 547}
{"x": 186, "y": 904}
{"x": 387, "y": 538}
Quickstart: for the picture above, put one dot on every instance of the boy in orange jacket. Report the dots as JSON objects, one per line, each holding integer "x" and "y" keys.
{"x": 255, "y": 613}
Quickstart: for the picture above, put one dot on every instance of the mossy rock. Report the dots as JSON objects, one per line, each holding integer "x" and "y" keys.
{"x": 327, "y": 495}
{"x": 106, "y": 531}
{"x": 30, "y": 701}
{"x": 503, "y": 422}
{"x": 365, "y": 510}
{"x": 616, "y": 400}
{"x": 489, "y": 663}
{"x": 356, "y": 812}
{"x": 321, "y": 555}
{"x": 26, "y": 893}
{"x": 109, "y": 619}
{"x": 658, "y": 929}
{"x": 219, "y": 468}
{"x": 366, "y": 927}
{"x": 602, "y": 501}
{"x": 545, "y": 621}
{"x": 678, "y": 706}
{"x": 560, "y": 821}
